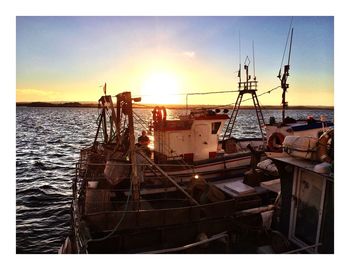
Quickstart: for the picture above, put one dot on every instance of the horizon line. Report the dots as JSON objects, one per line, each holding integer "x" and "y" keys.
{"x": 93, "y": 103}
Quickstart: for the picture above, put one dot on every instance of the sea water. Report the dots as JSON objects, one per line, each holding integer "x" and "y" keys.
{"x": 48, "y": 141}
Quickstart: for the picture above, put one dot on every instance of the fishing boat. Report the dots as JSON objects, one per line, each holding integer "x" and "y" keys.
{"x": 119, "y": 207}
{"x": 195, "y": 192}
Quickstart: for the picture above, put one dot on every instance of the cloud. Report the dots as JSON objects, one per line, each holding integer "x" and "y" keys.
{"x": 190, "y": 54}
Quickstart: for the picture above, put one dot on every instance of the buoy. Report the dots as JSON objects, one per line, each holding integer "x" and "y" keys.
{"x": 322, "y": 145}
{"x": 275, "y": 142}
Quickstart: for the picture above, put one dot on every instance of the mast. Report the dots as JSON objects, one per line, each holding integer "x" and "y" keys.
{"x": 284, "y": 78}
{"x": 135, "y": 178}
{"x": 124, "y": 105}
{"x": 248, "y": 86}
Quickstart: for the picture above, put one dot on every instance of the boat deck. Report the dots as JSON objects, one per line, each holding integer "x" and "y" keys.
{"x": 103, "y": 199}
{"x": 235, "y": 187}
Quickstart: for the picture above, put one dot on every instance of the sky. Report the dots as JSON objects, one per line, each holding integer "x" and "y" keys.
{"x": 161, "y": 58}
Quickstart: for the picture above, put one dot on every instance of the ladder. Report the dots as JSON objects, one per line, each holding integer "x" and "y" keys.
{"x": 247, "y": 87}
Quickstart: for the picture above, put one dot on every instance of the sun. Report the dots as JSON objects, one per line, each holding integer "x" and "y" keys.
{"x": 161, "y": 88}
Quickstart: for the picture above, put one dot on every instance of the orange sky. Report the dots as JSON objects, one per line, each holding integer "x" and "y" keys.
{"x": 158, "y": 58}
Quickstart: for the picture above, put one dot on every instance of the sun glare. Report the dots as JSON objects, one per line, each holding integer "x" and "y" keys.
{"x": 161, "y": 88}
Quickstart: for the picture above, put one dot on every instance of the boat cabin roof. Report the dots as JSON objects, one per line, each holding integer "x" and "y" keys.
{"x": 185, "y": 122}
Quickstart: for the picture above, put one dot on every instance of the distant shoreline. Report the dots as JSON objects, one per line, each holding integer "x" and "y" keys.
{"x": 169, "y": 106}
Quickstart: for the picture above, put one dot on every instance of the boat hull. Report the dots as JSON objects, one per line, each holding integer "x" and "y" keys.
{"x": 156, "y": 230}
{"x": 226, "y": 166}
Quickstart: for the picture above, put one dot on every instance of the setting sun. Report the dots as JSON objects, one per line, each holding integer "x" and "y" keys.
{"x": 165, "y": 57}
{"x": 161, "y": 88}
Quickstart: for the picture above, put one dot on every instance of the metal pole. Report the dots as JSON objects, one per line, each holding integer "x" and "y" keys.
{"x": 213, "y": 238}
{"x": 118, "y": 119}
{"x": 104, "y": 124}
{"x": 98, "y": 128}
{"x": 186, "y": 103}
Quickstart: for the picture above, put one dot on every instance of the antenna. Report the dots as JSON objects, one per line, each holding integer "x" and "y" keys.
{"x": 254, "y": 62}
{"x": 239, "y": 45}
{"x": 105, "y": 88}
{"x": 290, "y": 47}
{"x": 246, "y": 66}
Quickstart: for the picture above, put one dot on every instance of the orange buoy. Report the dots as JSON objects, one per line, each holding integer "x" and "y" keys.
{"x": 275, "y": 142}
{"x": 323, "y": 151}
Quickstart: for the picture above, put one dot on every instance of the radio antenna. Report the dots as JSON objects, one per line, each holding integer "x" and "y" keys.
{"x": 240, "y": 62}
{"x": 254, "y": 62}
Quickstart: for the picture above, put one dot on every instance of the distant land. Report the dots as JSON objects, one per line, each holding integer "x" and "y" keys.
{"x": 169, "y": 106}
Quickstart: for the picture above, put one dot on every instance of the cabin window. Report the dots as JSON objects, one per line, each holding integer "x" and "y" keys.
{"x": 215, "y": 127}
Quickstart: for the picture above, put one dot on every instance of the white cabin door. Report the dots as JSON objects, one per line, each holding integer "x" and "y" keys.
{"x": 178, "y": 145}
{"x": 201, "y": 141}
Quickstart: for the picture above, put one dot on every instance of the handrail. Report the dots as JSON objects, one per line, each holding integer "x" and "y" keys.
{"x": 129, "y": 164}
{"x": 168, "y": 250}
{"x": 302, "y": 249}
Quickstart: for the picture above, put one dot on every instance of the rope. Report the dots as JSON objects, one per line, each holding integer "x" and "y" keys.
{"x": 139, "y": 120}
{"x": 229, "y": 105}
{"x": 193, "y": 93}
{"x": 211, "y": 92}
{"x": 267, "y": 92}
